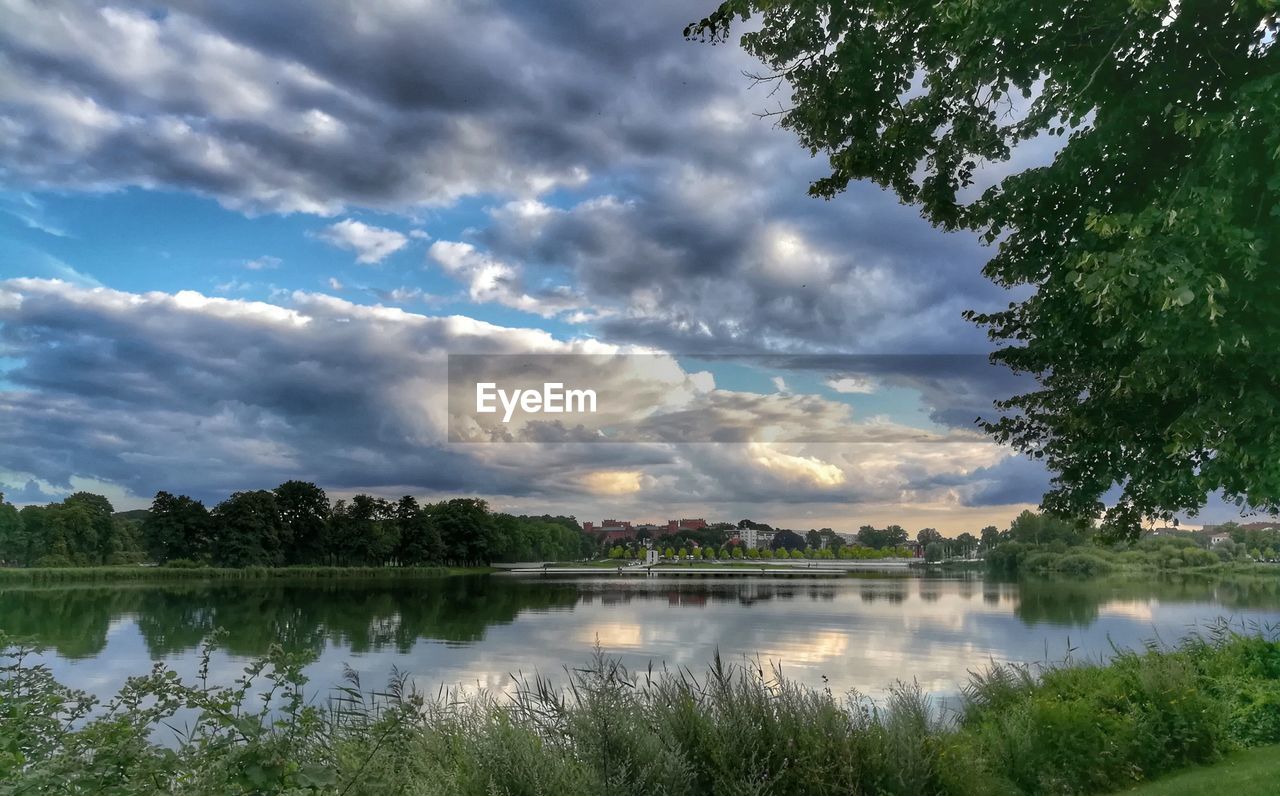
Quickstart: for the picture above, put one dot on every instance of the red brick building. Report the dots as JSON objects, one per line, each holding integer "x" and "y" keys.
{"x": 610, "y": 530}
{"x": 619, "y": 530}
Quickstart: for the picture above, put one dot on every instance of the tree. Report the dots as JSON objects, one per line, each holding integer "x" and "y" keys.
{"x": 967, "y": 542}
{"x": 813, "y": 539}
{"x": 1150, "y": 236}
{"x": 787, "y": 540}
{"x": 781, "y": 552}
{"x": 933, "y": 551}
{"x": 177, "y": 527}
{"x": 466, "y": 529}
{"x": 990, "y": 537}
{"x": 418, "y": 540}
{"x": 927, "y": 536}
{"x": 304, "y": 512}
{"x": 12, "y": 542}
{"x": 878, "y": 539}
{"x": 1032, "y": 528}
{"x": 247, "y": 530}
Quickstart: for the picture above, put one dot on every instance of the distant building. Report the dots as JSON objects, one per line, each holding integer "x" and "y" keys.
{"x": 752, "y": 538}
{"x": 1219, "y": 538}
{"x": 610, "y": 530}
{"x": 621, "y": 530}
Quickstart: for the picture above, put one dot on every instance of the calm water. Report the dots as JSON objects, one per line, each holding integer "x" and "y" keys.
{"x": 861, "y": 633}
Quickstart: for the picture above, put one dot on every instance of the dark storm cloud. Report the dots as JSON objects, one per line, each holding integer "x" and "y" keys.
{"x": 1013, "y": 480}
{"x": 689, "y": 229}
{"x": 291, "y": 106}
{"x": 704, "y": 263}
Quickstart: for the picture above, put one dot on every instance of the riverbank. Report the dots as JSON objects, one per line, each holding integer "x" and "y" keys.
{"x": 733, "y": 729}
{"x": 1147, "y": 557}
{"x": 1252, "y": 772}
{"x": 110, "y": 574}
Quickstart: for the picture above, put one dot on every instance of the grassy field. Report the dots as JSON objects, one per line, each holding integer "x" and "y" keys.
{"x": 1253, "y": 772}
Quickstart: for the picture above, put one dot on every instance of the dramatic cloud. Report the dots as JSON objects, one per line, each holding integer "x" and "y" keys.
{"x": 207, "y": 395}
{"x": 574, "y": 161}
{"x": 277, "y": 107}
{"x": 707, "y": 262}
{"x": 688, "y": 226}
{"x": 371, "y": 244}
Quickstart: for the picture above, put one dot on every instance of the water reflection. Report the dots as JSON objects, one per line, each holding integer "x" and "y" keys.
{"x": 862, "y": 632}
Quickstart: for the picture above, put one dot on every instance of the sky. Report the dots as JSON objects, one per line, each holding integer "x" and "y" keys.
{"x": 239, "y": 242}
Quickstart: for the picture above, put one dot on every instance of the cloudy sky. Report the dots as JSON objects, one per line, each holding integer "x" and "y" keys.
{"x": 239, "y": 241}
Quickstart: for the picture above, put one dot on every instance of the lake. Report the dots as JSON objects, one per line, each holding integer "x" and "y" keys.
{"x": 861, "y": 632}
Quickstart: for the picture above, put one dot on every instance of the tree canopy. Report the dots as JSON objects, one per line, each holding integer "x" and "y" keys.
{"x": 1142, "y": 202}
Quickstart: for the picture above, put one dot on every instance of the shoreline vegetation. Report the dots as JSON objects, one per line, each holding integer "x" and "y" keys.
{"x": 295, "y": 527}
{"x": 735, "y": 728}
{"x": 123, "y": 573}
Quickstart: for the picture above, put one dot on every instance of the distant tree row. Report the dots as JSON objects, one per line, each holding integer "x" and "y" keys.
{"x": 82, "y": 530}
{"x": 295, "y": 523}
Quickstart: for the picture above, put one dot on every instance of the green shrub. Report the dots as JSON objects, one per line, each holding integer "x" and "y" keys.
{"x": 735, "y": 730}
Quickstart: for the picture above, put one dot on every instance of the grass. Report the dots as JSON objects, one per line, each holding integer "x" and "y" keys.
{"x": 108, "y": 574}
{"x": 733, "y": 729}
{"x": 1252, "y": 772}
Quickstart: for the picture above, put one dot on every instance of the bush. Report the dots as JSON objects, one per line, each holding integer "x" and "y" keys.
{"x": 735, "y": 730}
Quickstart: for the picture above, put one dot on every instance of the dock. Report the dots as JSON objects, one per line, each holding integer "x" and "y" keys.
{"x": 661, "y": 571}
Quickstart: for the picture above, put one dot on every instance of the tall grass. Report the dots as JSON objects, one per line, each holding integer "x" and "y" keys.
{"x": 15, "y": 575}
{"x": 732, "y": 729}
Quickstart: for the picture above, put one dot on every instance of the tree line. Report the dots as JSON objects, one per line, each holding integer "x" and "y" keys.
{"x": 293, "y": 524}
{"x": 297, "y": 524}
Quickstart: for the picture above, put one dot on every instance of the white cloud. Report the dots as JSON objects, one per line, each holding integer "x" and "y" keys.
{"x": 371, "y": 244}
{"x": 263, "y": 263}
{"x": 401, "y": 295}
{"x": 491, "y": 280}
{"x": 853, "y": 384}
{"x": 208, "y": 395}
